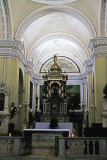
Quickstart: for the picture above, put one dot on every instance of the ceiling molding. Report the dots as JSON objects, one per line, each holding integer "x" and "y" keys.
{"x": 76, "y": 60}
{"x": 54, "y": 2}
{"x": 59, "y": 35}
{"x": 4, "y": 20}
{"x": 6, "y": 16}
{"x": 55, "y": 9}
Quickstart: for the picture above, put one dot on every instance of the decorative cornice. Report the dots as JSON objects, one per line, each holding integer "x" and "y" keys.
{"x": 98, "y": 46}
{"x": 97, "y": 42}
{"x": 12, "y": 48}
{"x": 13, "y": 44}
{"x": 77, "y": 77}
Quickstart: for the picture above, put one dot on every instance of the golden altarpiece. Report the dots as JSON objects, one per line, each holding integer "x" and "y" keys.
{"x": 54, "y": 94}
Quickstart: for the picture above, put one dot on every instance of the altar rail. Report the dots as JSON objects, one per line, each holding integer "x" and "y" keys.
{"x": 68, "y": 147}
{"x": 10, "y": 146}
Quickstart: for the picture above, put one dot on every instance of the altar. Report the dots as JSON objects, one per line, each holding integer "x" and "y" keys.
{"x": 45, "y": 134}
{"x": 61, "y": 126}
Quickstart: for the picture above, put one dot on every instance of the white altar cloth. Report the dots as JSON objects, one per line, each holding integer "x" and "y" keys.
{"x": 47, "y": 131}
{"x": 61, "y": 125}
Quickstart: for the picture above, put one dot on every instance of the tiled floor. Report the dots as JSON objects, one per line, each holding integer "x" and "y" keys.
{"x": 43, "y": 148}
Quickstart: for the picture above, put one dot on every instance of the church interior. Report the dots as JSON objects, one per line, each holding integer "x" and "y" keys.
{"x": 53, "y": 68}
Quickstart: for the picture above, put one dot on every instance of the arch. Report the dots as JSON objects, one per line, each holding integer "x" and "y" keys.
{"x": 3, "y": 20}
{"x": 6, "y": 19}
{"x": 63, "y": 36}
{"x": 74, "y": 59}
{"x": 65, "y": 59}
{"x": 54, "y": 9}
{"x": 54, "y": 2}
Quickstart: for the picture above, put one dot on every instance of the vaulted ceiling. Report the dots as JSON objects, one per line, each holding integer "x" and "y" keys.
{"x": 50, "y": 27}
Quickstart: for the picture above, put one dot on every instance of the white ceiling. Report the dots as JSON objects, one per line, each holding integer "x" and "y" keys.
{"x": 51, "y": 30}
{"x": 56, "y": 34}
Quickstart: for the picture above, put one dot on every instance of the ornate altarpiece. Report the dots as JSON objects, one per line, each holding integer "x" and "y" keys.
{"x": 54, "y": 94}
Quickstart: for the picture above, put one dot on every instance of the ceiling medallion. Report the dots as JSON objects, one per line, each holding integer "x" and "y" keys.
{"x": 54, "y": 2}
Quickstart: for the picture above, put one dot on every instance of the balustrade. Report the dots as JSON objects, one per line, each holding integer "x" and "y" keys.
{"x": 64, "y": 146}
{"x": 10, "y": 146}
{"x": 86, "y": 146}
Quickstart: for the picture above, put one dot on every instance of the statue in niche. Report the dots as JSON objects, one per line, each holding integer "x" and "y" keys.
{"x": 2, "y": 100}
{"x": 55, "y": 90}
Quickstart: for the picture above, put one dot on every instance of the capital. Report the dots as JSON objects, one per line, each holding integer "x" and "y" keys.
{"x": 88, "y": 66}
{"x": 98, "y": 46}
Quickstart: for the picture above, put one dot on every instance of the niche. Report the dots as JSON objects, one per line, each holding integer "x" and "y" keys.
{"x": 4, "y": 96}
{"x": 2, "y": 100}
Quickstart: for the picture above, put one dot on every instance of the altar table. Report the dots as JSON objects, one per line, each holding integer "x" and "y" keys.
{"x": 64, "y": 132}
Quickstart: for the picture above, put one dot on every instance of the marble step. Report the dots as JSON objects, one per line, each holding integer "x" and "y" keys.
{"x": 53, "y": 158}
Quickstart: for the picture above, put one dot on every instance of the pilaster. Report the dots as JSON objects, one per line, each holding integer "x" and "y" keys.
{"x": 88, "y": 68}
{"x": 34, "y": 97}
{"x": 27, "y": 90}
{"x": 10, "y": 51}
{"x": 98, "y": 47}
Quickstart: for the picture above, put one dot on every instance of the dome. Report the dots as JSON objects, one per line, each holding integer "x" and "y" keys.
{"x": 55, "y": 66}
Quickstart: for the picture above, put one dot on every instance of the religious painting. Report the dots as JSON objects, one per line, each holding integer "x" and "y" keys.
{"x": 73, "y": 94}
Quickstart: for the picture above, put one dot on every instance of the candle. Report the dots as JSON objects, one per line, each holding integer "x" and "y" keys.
{"x": 9, "y": 134}
{"x": 72, "y": 135}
